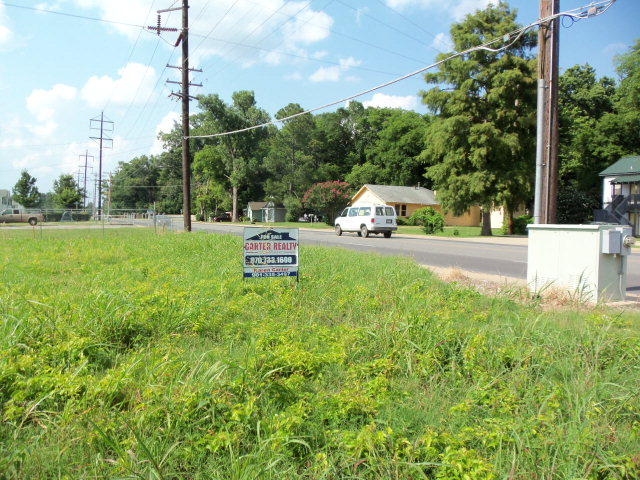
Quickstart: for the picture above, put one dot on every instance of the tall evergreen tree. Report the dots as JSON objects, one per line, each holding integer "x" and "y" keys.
{"x": 480, "y": 146}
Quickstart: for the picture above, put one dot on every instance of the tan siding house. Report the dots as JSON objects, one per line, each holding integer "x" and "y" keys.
{"x": 406, "y": 200}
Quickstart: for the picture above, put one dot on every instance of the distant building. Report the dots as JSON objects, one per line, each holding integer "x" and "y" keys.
{"x": 621, "y": 193}
{"x": 5, "y": 199}
{"x": 406, "y": 200}
{"x": 265, "y": 212}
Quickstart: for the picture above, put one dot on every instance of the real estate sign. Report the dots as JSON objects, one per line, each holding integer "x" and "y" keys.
{"x": 270, "y": 252}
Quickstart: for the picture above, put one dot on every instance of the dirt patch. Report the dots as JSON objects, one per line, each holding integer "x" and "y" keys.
{"x": 516, "y": 289}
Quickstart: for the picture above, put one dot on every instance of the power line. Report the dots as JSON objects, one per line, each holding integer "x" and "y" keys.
{"x": 591, "y": 10}
{"x": 73, "y": 15}
{"x": 391, "y": 27}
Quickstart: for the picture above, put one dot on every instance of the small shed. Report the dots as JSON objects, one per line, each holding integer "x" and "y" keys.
{"x": 266, "y": 212}
{"x": 254, "y": 211}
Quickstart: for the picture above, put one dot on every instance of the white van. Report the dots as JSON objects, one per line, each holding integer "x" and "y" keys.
{"x": 366, "y": 219}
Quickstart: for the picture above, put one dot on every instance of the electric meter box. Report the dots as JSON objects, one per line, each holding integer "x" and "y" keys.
{"x": 588, "y": 262}
{"x": 611, "y": 241}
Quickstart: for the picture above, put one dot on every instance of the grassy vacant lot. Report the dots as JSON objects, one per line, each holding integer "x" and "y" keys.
{"x": 125, "y": 354}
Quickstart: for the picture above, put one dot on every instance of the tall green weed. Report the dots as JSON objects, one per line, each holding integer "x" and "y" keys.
{"x": 125, "y": 354}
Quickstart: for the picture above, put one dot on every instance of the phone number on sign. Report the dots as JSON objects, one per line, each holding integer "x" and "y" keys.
{"x": 292, "y": 273}
{"x": 270, "y": 260}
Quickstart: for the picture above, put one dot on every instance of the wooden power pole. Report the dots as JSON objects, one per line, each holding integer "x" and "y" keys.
{"x": 545, "y": 208}
{"x": 185, "y": 98}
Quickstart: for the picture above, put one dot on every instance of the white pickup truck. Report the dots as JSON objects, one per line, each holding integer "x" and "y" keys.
{"x": 14, "y": 215}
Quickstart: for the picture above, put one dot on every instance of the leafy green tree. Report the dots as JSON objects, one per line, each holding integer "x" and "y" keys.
{"x": 340, "y": 140}
{"x": 329, "y": 198}
{"x": 25, "y": 191}
{"x": 393, "y": 152}
{"x": 170, "y": 182}
{"x": 429, "y": 218}
{"x": 66, "y": 193}
{"x": 584, "y": 149}
{"x": 480, "y": 145}
{"x": 210, "y": 198}
{"x": 134, "y": 185}
{"x": 234, "y": 159}
{"x": 169, "y": 164}
{"x": 294, "y": 208}
{"x": 627, "y": 130}
{"x": 290, "y": 162}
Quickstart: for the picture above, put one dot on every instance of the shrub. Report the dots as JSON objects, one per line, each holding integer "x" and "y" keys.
{"x": 327, "y": 197}
{"x": 575, "y": 207}
{"x": 520, "y": 224}
{"x": 429, "y": 219}
{"x": 294, "y": 208}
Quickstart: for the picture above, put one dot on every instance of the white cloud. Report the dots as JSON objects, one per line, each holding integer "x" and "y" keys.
{"x": 6, "y": 34}
{"x": 127, "y": 15}
{"x": 465, "y": 7}
{"x": 240, "y": 31}
{"x": 326, "y": 74}
{"x": 306, "y": 27}
{"x": 442, "y": 42}
{"x": 295, "y": 76}
{"x": 334, "y": 73}
{"x": 457, "y": 8}
{"x": 134, "y": 85}
{"x": 359, "y": 13}
{"x": 166, "y": 125}
{"x": 44, "y": 104}
{"x": 612, "y": 49}
{"x": 382, "y": 100}
{"x": 405, "y": 4}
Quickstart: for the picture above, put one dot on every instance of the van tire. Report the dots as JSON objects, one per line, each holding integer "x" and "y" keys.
{"x": 338, "y": 230}
{"x": 363, "y": 231}
{"x": 387, "y": 234}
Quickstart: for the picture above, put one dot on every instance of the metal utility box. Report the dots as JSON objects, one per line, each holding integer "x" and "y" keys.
{"x": 589, "y": 262}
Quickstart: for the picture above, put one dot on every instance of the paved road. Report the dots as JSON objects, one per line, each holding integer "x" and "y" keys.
{"x": 501, "y": 256}
{"x": 493, "y": 257}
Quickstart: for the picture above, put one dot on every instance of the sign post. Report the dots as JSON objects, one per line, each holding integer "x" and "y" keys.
{"x": 271, "y": 252}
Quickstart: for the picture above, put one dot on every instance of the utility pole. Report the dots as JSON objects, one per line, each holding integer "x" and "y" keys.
{"x": 105, "y": 126}
{"x": 84, "y": 189}
{"x": 184, "y": 96}
{"x": 546, "y": 188}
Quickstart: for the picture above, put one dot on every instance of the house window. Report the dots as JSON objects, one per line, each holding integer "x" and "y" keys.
{"x": 616, "y": 189}
{"x": 401, "y": 210}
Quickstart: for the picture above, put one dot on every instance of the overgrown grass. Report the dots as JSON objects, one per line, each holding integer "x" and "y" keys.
{"x": 125, "y": 354}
